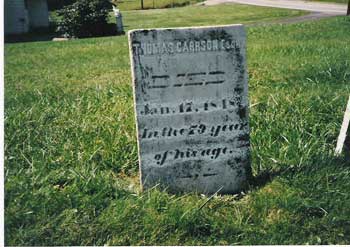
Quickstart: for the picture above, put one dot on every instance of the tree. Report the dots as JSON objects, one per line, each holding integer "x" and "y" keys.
{"x": 85, "y": 18}
{"x": 348, "y": 13}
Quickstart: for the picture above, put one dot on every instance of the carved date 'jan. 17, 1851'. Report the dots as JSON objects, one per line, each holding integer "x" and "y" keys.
{"x": 190, "y": 107}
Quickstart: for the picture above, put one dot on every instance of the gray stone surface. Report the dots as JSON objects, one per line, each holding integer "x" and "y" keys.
{"x": 191, "y": 103}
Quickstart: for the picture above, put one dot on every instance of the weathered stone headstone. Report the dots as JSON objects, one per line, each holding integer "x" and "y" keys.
{"x": 343, "y": 143}
{"x": 191, "y": 99}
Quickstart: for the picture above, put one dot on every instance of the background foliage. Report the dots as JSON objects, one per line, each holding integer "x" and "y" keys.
{"x": 85, "y": 18}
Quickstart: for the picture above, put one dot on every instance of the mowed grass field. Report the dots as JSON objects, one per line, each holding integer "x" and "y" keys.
{"x": 159, "y": 4}
{"x": 203, "y": 15}
{"x": 153, "y": 4}
{"x": 71, "y": 170}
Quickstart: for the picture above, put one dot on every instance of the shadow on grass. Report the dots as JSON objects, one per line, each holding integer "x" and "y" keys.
{"x": 316, "y": 165}
{"x": 47, "y": 34}
{"x": 264, "y": 178}
{"x": 33, "y": 36}
{"x": 319, "y": 166}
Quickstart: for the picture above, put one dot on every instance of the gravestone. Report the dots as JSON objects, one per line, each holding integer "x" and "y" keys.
{"x": 343, "y": 143}
{"x": 191, "y": 103}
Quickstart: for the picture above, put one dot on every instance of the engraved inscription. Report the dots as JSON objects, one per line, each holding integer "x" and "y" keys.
{"x": 191, "y": 102}
{"x": 149, "y": 48}
{"x": 212, "y": 153}
{"x": 189, "y": 79}
{"x": 192, "y": 130}
{"x": 192, "y": 107}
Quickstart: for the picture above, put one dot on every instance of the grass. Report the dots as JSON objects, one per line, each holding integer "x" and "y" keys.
{"x": 204, "y": 15}
{"x": 160, "y": 4}
{"x": 154, "y": 4}
{"x": 71, "y": 172}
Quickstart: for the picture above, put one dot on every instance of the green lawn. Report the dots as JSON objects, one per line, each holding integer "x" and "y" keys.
{"x": 71, "y": 172}
{"x": 160, "y": 4}
{"x": 154, "y": 4}
{"x": 204, "y": 15}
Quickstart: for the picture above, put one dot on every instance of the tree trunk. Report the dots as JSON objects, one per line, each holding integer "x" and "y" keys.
{"x": 142, "y": 4}
{"x": 348, "y": 13}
